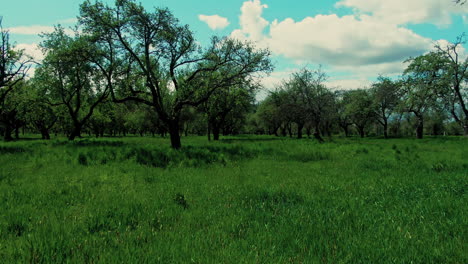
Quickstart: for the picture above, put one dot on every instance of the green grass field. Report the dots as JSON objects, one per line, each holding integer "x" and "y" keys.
{"x": 241, "y": 200}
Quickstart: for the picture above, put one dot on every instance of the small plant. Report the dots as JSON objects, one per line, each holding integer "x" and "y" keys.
{"x": 16, "y": 228}
{"x": 439, "y": 166}
{"x": 362, "y": 151}
{"x": 82, "y": 159}
{"x": 180, "y": 200}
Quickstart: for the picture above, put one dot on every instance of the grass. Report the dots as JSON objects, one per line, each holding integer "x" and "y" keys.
{"x": 241, "y": 200}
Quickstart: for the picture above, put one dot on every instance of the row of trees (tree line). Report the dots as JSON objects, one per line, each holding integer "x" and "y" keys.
{"x": 129, "y": 71}
{"x": 433, "y": 86}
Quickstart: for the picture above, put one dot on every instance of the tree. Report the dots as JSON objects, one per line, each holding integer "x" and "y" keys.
{"x": 456, "y": 70}
{"x": 342, "y": 115}
{"x": 38, "y": 113}
{"x": 421, "y": 81}
{"x": 175, "y": 71}
{"x": 314, "y": 96}
{"x": 386, "y": 99}
{"x": 71, "y": 76}
{"x": 14, "y": 65}
{"x": 269, "y": 115}
{"x": 223, "y": 103}
{"x": 360, "y": 108}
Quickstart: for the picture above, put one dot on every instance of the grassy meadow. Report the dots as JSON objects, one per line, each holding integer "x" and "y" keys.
{"x": 245, "y": 199}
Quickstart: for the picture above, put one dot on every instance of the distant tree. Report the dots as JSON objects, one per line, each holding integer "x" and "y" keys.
{"x": 269, "y": 115}
{"x": 455, "y": 92}
{"x": 360, "y": 108}
{"x": 14, "y": 65}
{"x": 175, "y": 70}
{"x": 14, "y": 110}
{"x": 315, "y": 98}
{"x": 71, "y": 77}
{"x": 38, "y": 113}
{"x": 342, "y": 115}
{"x": 226, "y": 105}
{"x": 386, "y": 95}
{"x": 421, "y": 83}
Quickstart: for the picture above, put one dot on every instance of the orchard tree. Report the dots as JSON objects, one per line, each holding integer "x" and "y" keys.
{"x": 38, "y": 113}
{"x": 316, "y": 99}
{"x": 342, "y": 115}
{"x": 422, "y": 80}
{"x": 269, "y": 114}
{"x": 360, "y": 108}
{"x": 223, "y": 103}
{"x": 71, "y": 78}
{"x": 14, "y": 65}
{"x": 386, "y": 99}
{"x": 175, "y": 72}
{"x": 456, "y": 77}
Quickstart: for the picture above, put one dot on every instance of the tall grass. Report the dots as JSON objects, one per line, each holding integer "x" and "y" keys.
{"x": 241, "y": 200}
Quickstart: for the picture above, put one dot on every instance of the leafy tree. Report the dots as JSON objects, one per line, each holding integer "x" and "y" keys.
{"x": 14, "y": 65}
{"x": 269, "y": 114}
{"x": 386, "y": 94}
{"x": 71, "y": 77}
{"x": 360, "y": 108}
{"x": 39, "y": 114}
{"x": 226, "y": 105}
{"x": 175, "y": 71}
{"x": 315, "y": 98}
{"x": 455, "y": 93}
{"x": 421, "y": 82}
{"x": 342, "y": 115}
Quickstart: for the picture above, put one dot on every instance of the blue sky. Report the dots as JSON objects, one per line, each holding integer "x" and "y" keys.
{"x": 354, "y": 40}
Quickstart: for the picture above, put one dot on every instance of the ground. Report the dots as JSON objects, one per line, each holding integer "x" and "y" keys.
{"x": 245, "y": 199}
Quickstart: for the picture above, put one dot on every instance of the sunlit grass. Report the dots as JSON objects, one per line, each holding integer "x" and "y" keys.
{"x": 241, "y": 200}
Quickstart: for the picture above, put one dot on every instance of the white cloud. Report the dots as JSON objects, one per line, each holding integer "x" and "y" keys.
{"x": 330, "y": 39}
{"x": 72, "y": 20}
{"x": 32, "y": 50}
{"x": 348, "y": 84}
{"x": 215, "y": 21}
{"x": 361, "y": 46}
{"x": 252, "y": 24}
{"x": 31, "y": 30}
{"x": 400, "y": 12}
{"x": 35, "y": 30}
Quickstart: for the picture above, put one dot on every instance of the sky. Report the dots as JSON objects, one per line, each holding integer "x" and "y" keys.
{"x": 354, "y": 41}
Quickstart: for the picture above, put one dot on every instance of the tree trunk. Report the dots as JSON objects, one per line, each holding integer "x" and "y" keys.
{"x": 76, "y": 132}
{"x": 17, "y": 133}
{"x": 346, "y": 130}
{"x": 317, "y": 135}
{"x": 215, "y": 133}
{"x": 385, "y": 129}
{"x": 290, "y": 131}
{"x": 299, "y": 130}
{"x": 7, "y": 133}
{"x": 420, "y": 127}
{"x": 361, "y": 132}
{"x": 45, "y": 134}
{"x": 465, "y": 128}
{"x": 174, "y": 133}
{"x": 283, "y": 131}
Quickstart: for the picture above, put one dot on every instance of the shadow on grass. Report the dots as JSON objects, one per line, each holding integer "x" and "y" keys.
{"x": 189, "y": 156}
{"x": 11, "y": 150}
{"x": 89, "y": 143}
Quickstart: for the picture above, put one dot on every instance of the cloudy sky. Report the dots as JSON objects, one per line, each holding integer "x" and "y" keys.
{"x": 354, "y": 40}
